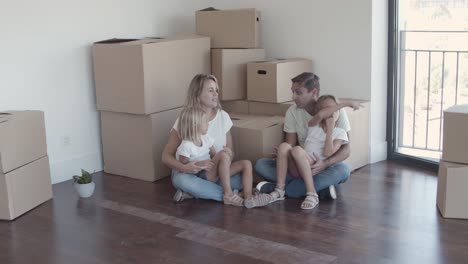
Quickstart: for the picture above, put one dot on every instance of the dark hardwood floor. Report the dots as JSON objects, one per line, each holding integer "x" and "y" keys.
{"x": 385, "y": 213}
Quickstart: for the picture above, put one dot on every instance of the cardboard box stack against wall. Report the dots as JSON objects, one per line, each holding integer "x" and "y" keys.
{"x": 452, "y": 197}
{"x": 141, "y": 86}
{"x": 24, "y": 165}
{"x": 235, "y": 42}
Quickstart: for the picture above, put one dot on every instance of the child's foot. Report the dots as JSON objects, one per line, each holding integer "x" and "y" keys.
{"x": 258, "y": 200}
{"x": 277, "y": 194}
{"x": 310, "y": 201}
{"x": 179, "y": 196}
{"x": 233, "y": 199}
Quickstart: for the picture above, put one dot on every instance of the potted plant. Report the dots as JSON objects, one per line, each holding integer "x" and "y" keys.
{"x": 84, "y": 184}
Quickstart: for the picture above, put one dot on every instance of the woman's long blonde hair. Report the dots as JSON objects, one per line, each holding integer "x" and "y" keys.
{"x": 190, "y": 121}
{"x": 196, "y": 88}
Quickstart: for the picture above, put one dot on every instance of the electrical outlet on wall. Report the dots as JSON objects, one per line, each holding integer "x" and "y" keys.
{"x": 65, "y": 141}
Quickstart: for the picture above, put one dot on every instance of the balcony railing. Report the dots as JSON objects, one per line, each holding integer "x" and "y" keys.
{"x": 433, "y": 76}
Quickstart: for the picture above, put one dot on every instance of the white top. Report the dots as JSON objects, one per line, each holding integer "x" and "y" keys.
{"x": 315, "y": 141}
{"x": 297, "y": 121}
{"x": 193, "y": 152}
{"x": 217, "y": 129}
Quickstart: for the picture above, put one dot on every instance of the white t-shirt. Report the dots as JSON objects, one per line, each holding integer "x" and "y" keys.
{"x": 297, "y": 121}
{"x": 193, "y": 152}
{"x": 315, "y": 141}
{"x": 217, "y": 129}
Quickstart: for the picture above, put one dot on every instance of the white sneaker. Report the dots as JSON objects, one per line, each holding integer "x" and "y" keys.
{"x": 179, "y": 196}
{"x": 332, "y": 191}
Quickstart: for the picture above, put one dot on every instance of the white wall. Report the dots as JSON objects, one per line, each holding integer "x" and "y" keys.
{"x": 46, "y": 59}
{"x": 45, "y": 64}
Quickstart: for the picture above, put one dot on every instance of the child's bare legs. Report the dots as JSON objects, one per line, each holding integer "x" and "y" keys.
{"x": 212, "y": 175}
{"x": 284, "y": 163}
{"x": 225, "y": 171}
{"x": 303, "y": 163}
{"x": 244, "y": 166}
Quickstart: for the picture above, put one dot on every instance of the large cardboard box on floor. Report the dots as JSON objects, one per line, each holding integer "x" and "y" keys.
{"x": 149, "y": 75}
{"x": 237, "y": 106}
{"x": 275, "y": 109}
{"x": 24, "y": 188}
{"x": 132, "y": 144}
{"x": 452, "y": 197}
{"x": 255, "y": 136}
{"x": 230, "y": 68}
{"x": 455, "y": 145}
{"x": 270, "y": 81}
{"x": 359, "y": 135}
{"x": 22, "y": 138}
{"x": 235, "y": 28}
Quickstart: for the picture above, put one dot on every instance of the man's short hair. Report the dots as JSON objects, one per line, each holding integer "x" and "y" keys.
{"x": 309, "y": 80}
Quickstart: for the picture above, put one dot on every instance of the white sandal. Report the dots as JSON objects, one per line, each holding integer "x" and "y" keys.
{"x": 278, "y": 195}
{"x": 310, "y": 201}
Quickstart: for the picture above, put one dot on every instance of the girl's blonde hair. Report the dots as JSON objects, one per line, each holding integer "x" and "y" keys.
{"x": 190, "y": 121}
{"x": 196, "y": 88}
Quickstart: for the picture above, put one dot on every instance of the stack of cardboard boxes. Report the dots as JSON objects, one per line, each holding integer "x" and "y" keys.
{"x": 235, "y": 42}
{"x": 141, "y": 85}
{"x": 452, "y": 196}
{"x": 24, "y": 165}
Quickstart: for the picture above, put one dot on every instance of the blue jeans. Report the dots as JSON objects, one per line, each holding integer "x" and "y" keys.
{"x": 295, "y": 187}
{"x": 201, "y": 188}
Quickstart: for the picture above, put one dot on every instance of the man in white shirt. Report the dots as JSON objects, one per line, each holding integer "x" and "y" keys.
{"x": 326, "y": 172}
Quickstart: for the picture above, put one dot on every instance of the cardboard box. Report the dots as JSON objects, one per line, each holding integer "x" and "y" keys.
{"x": 275, "y": 109}
{"x": 358, "y": 135}
{"x": 133, "y": 144}
{"x": 236, "y": 28}
{"x": 455, "y": 145}
{"x": 452, "y": 197}
{"x": 148, "y": 75}
{"x": 22, "y": 138}
{"x": 271, "y": 81}
{"x": 239, "y": 106}
{"x": 255, "y": 137}
{"x": 230, "y": 68}
{"x": 24, "y": 188}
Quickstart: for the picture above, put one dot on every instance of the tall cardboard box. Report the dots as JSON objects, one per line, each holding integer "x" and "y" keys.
{"x": 274, "y": 109}
{"x": 270, "y": 81}
{"x": 255, "y": 137}
{"x": 148, "y": 75}
{"x": 133, "y": 144}
{"x": 358, "y": 135}
{"x": 235, "y": 28}
{"x": 22, "y": 138}
{"x": 452, "y": 197}
{"x": 455, "y": 145}
{"x": 230, "y": 68}
{"x": 238, "y": 106}
{"x": 24, "y": 188}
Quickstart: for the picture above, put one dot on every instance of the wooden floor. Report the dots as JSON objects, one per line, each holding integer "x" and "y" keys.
{"x": 385, "y": 213}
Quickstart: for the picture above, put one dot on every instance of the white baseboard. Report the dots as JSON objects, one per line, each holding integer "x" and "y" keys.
{"x": 378, "y": 151}
{"x": 65, "y": 169}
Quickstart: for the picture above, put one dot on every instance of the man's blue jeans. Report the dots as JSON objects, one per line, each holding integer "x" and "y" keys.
{"x": 295, "y": 187}
{"x": 201, "y": 188}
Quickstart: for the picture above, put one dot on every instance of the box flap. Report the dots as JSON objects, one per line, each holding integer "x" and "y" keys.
{"x": 458, "y": 109}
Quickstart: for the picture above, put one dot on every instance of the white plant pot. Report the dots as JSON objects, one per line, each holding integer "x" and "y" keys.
{"x": 85, "y": 190}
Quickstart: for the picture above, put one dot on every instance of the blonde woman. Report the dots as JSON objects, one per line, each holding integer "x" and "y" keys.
{"x": 203, "y": 94}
